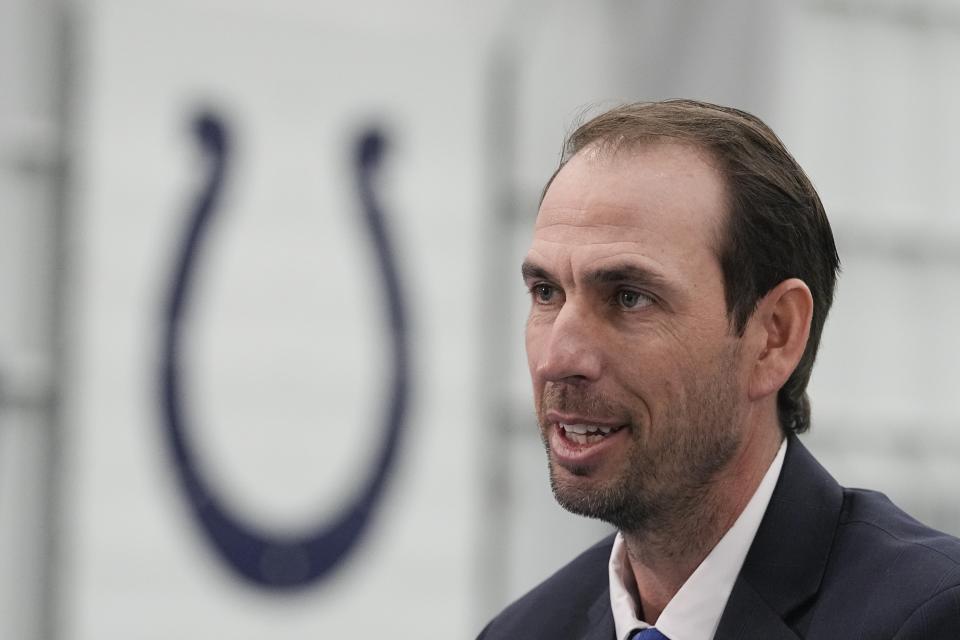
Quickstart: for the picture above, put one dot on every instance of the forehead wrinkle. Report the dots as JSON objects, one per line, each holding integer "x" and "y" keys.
{"x": 575, "y": 224}
{"x": 592, "y": 244}
{"x": 578, "y": 216}
{"x": 603, "y": 234}
{"x": 608, "y": 238}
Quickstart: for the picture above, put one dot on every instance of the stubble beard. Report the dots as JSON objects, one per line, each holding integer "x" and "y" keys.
{"x": 670, "y": 467}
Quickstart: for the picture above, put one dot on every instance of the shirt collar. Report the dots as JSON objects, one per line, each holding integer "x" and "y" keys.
{"x": 694, "y": 612}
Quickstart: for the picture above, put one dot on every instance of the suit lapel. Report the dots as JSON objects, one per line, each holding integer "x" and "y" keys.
{"x": 600, "y": 624}
{"x": 785, "y": 564}
{"x": 748, "y": 616}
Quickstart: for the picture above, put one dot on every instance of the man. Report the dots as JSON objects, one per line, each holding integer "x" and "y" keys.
{"x": 680, "y": 274}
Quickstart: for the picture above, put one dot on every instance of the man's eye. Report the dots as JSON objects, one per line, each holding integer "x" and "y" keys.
{"x": 543, "y": 293}
{"x": 629, "y": 299}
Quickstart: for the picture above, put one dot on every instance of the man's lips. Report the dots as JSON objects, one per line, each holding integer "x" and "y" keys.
{"x": 577, "y": 440}
{"x": 560, "y": 417}
{"x": 586, "y": 433}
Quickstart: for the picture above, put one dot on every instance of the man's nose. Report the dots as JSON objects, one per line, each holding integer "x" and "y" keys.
{"x": 572, "y": 351}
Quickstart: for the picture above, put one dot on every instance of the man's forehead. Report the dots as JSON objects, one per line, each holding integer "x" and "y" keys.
{"x": 662, "y": 186}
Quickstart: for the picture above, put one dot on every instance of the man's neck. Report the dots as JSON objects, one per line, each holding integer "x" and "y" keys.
{"x": 664, "y": 556}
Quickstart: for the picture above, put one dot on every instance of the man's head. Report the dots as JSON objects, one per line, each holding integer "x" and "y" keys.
{"x": 669, "y": 304}
{"x": 775, "y": 227}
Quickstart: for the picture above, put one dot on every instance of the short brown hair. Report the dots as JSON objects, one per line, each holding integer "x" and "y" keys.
{"x": 776, "y": 228}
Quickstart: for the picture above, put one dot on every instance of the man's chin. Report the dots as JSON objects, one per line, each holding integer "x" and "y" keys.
{"x": 578, "y": 490}
{"x": 584, "y": 492}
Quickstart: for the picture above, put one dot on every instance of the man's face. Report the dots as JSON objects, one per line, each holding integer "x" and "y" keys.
{"x": 637, "y": 377}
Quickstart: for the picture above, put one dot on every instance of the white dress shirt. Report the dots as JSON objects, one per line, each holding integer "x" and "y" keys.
{"x": 694, "y": 612}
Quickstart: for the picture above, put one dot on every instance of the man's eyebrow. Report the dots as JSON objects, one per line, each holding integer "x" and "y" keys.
{"x": 605, "y": 275}
{"x": 532, "y": 271}
{"x": 625, "y": 273}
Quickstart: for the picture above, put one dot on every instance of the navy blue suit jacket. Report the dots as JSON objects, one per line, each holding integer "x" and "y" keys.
{"x": 827, "y": 563}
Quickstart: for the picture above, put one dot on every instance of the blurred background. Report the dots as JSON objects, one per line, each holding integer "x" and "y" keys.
{"x": 256, "y": 382}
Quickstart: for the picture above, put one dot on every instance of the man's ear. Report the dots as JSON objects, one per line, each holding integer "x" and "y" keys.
{"x": 781, "y": 326}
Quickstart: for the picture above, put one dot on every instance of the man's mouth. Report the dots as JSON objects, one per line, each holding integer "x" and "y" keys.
{"x": 576, "y": 443}
{"x": 586, "y": 433}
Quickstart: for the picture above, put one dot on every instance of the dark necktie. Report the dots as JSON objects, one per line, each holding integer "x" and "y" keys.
{"x": 648, "y": 634}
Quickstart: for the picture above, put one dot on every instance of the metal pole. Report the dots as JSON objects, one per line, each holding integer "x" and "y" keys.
{"x": 495, "y": 443}
{"x": 62, "y": 76}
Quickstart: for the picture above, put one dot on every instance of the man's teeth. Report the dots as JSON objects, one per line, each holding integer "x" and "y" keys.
{"x": 586, "y": 433}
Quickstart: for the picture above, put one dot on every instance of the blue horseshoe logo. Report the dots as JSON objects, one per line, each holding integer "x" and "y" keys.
{"x": 271, "y": 561}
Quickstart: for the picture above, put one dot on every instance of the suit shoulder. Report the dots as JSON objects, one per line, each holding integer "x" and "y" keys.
{"x": 884, "y": 567}
{"x": 559, "y": 601}
{"x": 936, "y": 619}
{"x": 871, "y": 515}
